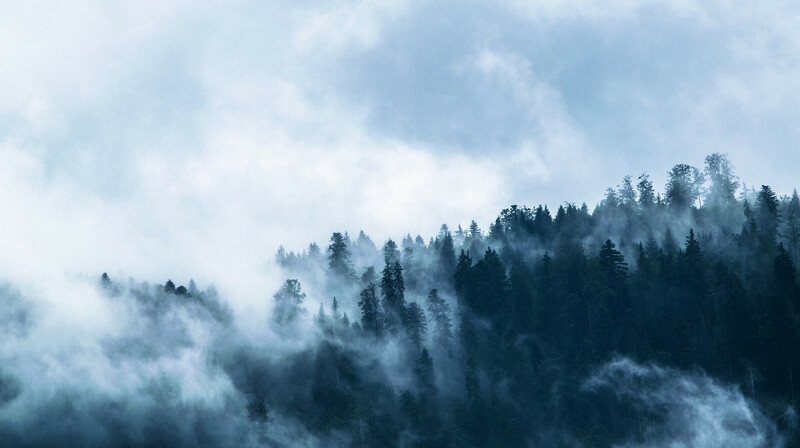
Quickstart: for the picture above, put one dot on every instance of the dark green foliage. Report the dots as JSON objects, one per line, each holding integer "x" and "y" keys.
{"x": 440, "y": 314}
{"x": 339, "y": 263}
{"x": 723, "y": 182}
{"x": 371, "y": 316}
{"x": 613, "y": 265}
{"x": 416, "y": 324}
{"x": 698, "y": 280}
{"x": 644, "y": 187}
{"x": 790, "y": 225}
{"x": 683, "y": 186}
{"x": 288, "y": 302}
{"x": 390, "y": 253}
{"x": 393, "y": 295}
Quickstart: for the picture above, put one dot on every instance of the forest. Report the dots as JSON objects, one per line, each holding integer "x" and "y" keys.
{"x": 657, "y": 318}
{"x": 497, "y": 332}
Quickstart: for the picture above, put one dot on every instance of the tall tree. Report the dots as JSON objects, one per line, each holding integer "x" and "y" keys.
{"x": 644, "y": 187}
{"x": 724, "y": 183}
{"x": 339, "y": 262}
{"x": 416, "y": 324}
{"x": 462, "y": 275}
{"x": 767, "y": 218}
{"x": 683, "y": 186}
{"x": 447, "y": 254}
{"x": 614, "y": 267}
{"x": 288, "y": 302}
{"x": 390, "y": 252}
{"x": 440, "y": 315}
{"x": 393, "y": 294}
{"x": 490, "y": 288}
{"x": 371, "y": 316}
{"x": 627, "y": 194}
{"x": 790, "y": 224}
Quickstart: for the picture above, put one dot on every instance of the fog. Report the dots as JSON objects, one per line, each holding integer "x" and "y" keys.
{"x": 169, "y": 140}
{"x": 685, "y": 409}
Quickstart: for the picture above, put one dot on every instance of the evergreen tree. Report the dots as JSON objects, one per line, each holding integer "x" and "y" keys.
{"x": 440, "y": 315}
{"x": 392, "y": 292}
{"x": 169, "y": 287}
{"x": 489, "y": 290}
{"x": 723, "y": 182}
{"x": 646, "y": 193}
{"x": 613, "y": 265}
{"x": 683, "y": 187}
{"x": 790, "y": 225}
{"x": 447, "y": 254}
{"x": 416, "y": 324}
{"x": 335, "y": 310}
{"x": 391, "y": 254}
{"x": 766, "y": 218}
{"x": 339, "y": 262}
{"x": 462, "y": 276}
{"x": 425, "y": 375}
{"x": 369, "y": 276}
{"x": 474, "y": 230}
{"x": 371, "y": 316}
{"x": 627, "y": 194}
{"x": 322, "y": 319}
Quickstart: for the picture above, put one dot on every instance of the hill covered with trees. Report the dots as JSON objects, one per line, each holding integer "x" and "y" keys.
{"x": 657, "y": 318}
{"x": 496, "y": 332}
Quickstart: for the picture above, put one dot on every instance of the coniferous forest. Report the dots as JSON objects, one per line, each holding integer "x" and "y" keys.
{"x": 656, "y": 318}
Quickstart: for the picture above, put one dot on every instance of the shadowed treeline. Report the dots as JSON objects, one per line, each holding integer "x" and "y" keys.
{"x": 658, "y": 318}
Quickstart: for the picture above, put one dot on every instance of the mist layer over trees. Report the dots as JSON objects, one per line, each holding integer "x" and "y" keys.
{"x": 659, "y": 318}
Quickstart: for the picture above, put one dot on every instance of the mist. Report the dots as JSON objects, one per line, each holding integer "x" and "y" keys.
{"x": 173, "y": 178}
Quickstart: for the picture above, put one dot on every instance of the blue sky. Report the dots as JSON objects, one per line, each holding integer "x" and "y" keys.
{"x": 167, "y": 138}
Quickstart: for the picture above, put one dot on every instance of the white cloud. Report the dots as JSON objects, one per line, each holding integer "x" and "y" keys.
{"x": 184, "y": 140}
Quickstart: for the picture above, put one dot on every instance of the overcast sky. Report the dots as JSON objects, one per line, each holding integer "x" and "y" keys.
{"x": 167, "y": 139}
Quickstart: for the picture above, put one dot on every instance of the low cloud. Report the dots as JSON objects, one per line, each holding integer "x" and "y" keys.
{"x": 682, "y": 409}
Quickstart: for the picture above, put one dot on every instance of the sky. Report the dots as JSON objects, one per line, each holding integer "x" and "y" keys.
{"x": 168, "y": 139}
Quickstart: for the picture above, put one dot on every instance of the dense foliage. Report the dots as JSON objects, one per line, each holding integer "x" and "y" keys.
{"x": 654, "y": 320}
{"x": 518, "y": 318}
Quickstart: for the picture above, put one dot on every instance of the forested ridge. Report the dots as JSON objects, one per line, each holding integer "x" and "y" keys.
{"x": 511, "y": 322}
{"x": 659, "y": 318}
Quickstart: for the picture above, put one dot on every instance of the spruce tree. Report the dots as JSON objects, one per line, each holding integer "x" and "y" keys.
{"x": 371, "y": 316}
{"x": 440, "y": 315}
{"x": 339, "y": 262}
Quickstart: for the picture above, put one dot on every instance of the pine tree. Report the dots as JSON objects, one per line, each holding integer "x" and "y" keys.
{"x": 335, "y": 310}
{"x": 288, "y": 303}
{"x": 474, "y": 230}
{"x": 613, "y": 265}
{"x": 339, "y": 262}
{"x": 390, "y": 252}
{"x": 371, "y": 316}
{"x": 447, "y": 255}
{"x": 392, "y": 292}
{"x": 626, "y": 194}
{"x": 415, "y": 324}
{"x": 723, "y": 182}
{"x": 461, "y": 276}
{"x": 440, "y": 315}
{"x": 766, "y": 218}
{"x": 322, "y": 319}
{"x": 684, "y": 186}
{"x": 790, "y": 225}
{"x": 489, "y": 295}
{"x": 644, "y": 187}
{"x": 425, "y": 375}
{"x": 169, "y": 287}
